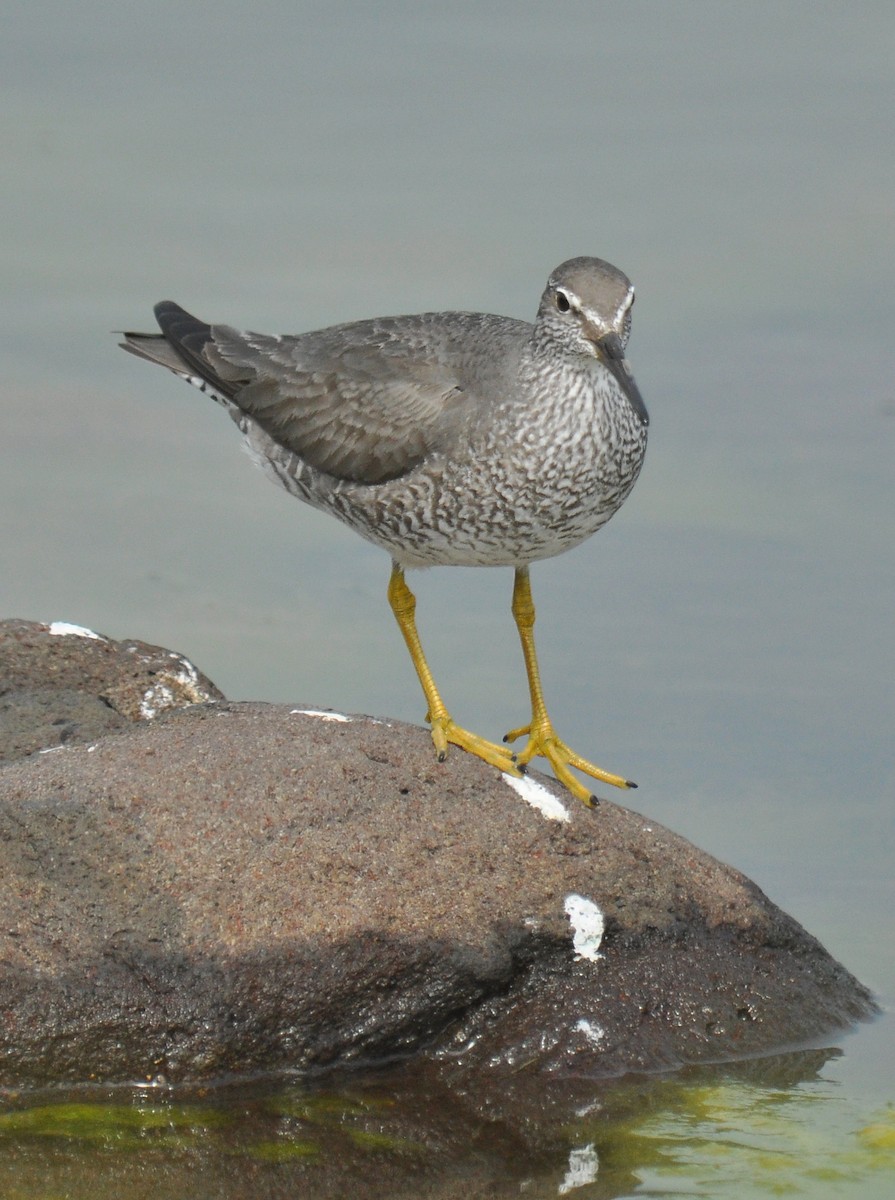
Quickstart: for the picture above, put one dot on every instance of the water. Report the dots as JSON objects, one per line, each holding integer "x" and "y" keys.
{"x": 779, "y": 1127}
{"x": 727, "y": 640}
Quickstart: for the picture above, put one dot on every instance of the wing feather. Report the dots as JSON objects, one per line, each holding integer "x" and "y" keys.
{"x": 366, "y": 401}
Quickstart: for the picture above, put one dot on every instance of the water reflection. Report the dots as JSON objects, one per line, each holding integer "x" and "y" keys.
{"x": 764, "y": 1127}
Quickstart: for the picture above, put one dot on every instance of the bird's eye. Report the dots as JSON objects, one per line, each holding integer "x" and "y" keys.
{"x": 562, "y": 302}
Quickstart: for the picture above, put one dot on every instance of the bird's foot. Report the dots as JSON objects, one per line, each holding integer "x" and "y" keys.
{"x": 542, "y": 740}
{"x": 446, "y": 732}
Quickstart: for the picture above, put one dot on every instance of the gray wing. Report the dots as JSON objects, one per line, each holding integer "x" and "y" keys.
{"x": 364, "y": 402}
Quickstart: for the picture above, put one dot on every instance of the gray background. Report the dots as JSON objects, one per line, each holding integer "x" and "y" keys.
{"x": 728, "y": 639}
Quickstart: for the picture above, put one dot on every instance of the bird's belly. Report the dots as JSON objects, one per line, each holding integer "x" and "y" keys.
{"x": 468, "y": 517}
{"x": 486, "y": 509}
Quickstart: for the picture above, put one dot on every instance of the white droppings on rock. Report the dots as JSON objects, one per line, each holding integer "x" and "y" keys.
{"x": 593, "y": 1032}
{"x": 586, "y": 1110}
{"x": 155, "y": 700}
{"x": 584, "y": 1163}
{"x": 319, "y": 712}
{"x": 177, "y": 688}
{"x": 538, "y": 797}
{"x": 51, "y": 750}
{"x": 64, "y": 629}
{"x": 587, "y": 926}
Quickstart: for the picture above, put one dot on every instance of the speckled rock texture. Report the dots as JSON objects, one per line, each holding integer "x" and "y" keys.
{"x": 237, "y": 888}
{"x": 62, "y": 683}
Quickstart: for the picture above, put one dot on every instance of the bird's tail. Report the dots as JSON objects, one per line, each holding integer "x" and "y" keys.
{"x": 179, "y": 347}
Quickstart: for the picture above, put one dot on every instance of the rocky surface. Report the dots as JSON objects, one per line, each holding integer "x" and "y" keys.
{"x": 63, "y": 683}
{"x": 235, "y": 888}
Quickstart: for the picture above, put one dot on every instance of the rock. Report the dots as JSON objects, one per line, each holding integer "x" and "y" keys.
{"x": 238, "y": 888}
{"x": 62, "y": 683}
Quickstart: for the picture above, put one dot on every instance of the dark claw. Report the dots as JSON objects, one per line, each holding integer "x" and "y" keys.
{"x": 442, "y": 755}
{"x": 506, "y": 738}
{"x": 594, "y": 801}
{"x": 629, "y": 783}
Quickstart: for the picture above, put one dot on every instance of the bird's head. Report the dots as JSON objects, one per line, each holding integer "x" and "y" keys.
{"x": 586, "y": 309}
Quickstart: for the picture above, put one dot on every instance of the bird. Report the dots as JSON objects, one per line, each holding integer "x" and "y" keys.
{"x": 445, "y": 439}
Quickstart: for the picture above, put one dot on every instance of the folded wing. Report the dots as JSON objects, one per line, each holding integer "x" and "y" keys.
{"x": 364, "y": 402}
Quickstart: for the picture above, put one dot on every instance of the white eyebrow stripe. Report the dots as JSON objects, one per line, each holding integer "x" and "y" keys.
{"x": 625, "y": 304}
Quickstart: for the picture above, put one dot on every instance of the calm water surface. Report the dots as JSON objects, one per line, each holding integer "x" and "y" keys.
{"x": 727, "y": 640}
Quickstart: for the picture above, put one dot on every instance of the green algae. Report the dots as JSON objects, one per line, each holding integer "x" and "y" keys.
{"x": 114, "y": 1126}
{"x": 282, "y": 1151}
{"x": 718, "y": 1137}
{"x": 733, "y": 1139}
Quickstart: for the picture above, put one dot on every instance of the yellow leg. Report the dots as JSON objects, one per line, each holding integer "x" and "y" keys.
{"x": 444, "y": 729}
{"x": 542, "y": 739}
